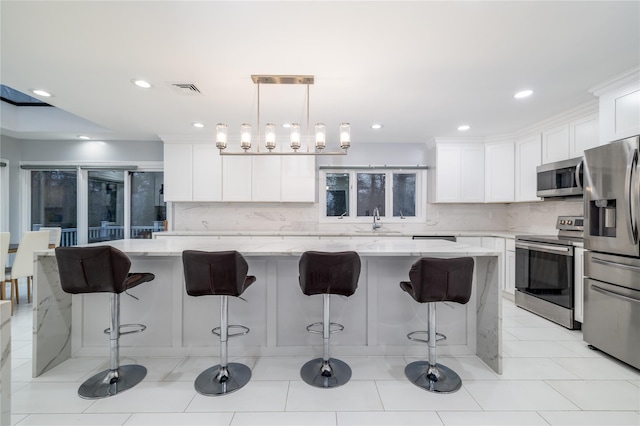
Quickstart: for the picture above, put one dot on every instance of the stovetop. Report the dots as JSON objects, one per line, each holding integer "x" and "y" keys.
{"x": 570, "y": 232}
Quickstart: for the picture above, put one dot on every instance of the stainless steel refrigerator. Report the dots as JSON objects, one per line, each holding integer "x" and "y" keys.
{"x": 612, "y": 264}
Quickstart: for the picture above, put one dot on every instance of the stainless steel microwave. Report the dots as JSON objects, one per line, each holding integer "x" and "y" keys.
{"x": 561, "y": 179}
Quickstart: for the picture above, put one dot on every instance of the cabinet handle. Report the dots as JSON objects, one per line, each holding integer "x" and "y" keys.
{"x": 615, "y": 264}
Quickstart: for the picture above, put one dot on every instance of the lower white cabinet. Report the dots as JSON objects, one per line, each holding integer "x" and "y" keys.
{"x": 578, "y": 292}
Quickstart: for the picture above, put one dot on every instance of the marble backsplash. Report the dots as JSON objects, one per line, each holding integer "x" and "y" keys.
{"x": 538, "y": 217}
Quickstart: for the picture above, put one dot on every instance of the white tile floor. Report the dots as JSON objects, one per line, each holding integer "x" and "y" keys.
{"x": 550, "y": 378}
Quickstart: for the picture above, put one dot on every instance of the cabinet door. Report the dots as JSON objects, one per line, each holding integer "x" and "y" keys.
{"x": 299, "y": 178}
{"x": 528, "y": 157}
{"x": 620, "y": 113}
{"x": 510, "y": 267}
{"x": 499, "y": 185}
{"x": 177, "y": 172}
{"x": 236, "y": 178}
{"x": 207, "y": 173}
{"x": 266, "y": 177}
{"x": 555, "y": 144}
{"x": 583, "y": 134}
{"x": 448, "y": 174}
{"x": 472, "y": 173}
{"x": 578, "y": 292}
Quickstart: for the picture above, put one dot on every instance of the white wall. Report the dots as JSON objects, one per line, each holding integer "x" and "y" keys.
{"x": 10, "y": 150}
{"x": 92, "y": 151}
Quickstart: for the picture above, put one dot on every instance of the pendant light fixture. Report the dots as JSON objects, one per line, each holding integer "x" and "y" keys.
{"x": 295, "y": 138}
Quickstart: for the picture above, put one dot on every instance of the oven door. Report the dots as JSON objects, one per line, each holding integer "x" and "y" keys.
{"x": 545, "y": 271}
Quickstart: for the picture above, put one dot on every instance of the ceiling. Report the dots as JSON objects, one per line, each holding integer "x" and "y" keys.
{"x": 419, "y": 68}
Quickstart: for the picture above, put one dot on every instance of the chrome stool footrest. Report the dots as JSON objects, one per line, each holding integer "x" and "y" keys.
{"x": 245, "y": 330}
{"x": 334, "y": 327}
{"x": 439, "y": 336}
{"x": 137, "y": 328}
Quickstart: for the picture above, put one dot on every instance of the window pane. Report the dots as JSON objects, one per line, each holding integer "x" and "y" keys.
{"x": 337, "y": 194}
{"x": 54, "y": 203}
{"x": 371, "y": 193}
{"x": 106, "y": 205}
{"x": 148, "y": 210}
{"x": 404, "y": 194}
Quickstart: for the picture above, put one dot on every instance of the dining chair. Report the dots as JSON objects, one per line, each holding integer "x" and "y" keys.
{"x": 4, "y": 252}
{"x": 23, "y": 262}
{"x": 55, "y": 235}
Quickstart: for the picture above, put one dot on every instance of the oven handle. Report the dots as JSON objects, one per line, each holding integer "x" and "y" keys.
{"x": 565, "y": 251}
{"x": 614, "y": 264}
{"x": 613, "y": 294}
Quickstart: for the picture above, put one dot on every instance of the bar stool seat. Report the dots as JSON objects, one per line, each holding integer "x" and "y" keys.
{"x": 104, "y": 269}
{"x": 327, "y": 273}
{"x": 224, "y": 274}
{"x": 436, "y": 280}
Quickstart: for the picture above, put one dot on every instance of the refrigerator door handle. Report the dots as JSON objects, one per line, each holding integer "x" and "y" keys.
{"x": 632, "y": 224}
{"x": 613, "y": 294}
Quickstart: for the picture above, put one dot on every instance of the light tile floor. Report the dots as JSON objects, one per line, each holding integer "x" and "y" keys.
{"x": 550, "y": 378}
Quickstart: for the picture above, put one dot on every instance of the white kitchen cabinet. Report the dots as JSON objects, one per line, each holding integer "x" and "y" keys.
{"x": 265, "y": 178}
{"x": 206, "y": 173}
{"x": 528, "y": 156}
{"x": 459, "y": 173}
{"x": 236, "y": 178}
{"x": 583, "y": 134}
{"x": 499, "y": 166}
{"x": 555, "y": 144}
{"x": 298, "y": 178}
{"x": 191, "y": 172}
{"x": 510, "y": 267}
{"x": 578, "y": 276}
{"x": 178, "y": 181}
{"x": 620, "y": 108}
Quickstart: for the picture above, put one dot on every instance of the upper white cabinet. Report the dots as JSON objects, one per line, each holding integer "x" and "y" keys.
{"x": 191, "y": 172}
{"x": 458, "y": 173}
{"x": 583, "y": 135}
{"x": 555, "y": 144}
{"x": 236, "y": 178}
{"x": 619, "y": 106}
{"x": 298, "y": 178}
{"x": 528, "y": 156}
{"x": 499, "y": 167}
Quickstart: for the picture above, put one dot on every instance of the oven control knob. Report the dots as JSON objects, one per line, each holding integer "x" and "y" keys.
{"x": 569, "y": 222}
{"x": 562, "y": 222}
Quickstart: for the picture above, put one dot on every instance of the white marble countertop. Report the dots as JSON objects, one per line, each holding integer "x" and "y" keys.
{"x": 278, "y": 246}
{"x": 346, "y": 233}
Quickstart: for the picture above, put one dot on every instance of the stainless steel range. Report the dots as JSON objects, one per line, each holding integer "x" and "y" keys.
{"x": 545, "y": 271}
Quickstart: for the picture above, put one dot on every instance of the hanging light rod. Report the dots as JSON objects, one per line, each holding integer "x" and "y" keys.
{"x": 295, "y": 136}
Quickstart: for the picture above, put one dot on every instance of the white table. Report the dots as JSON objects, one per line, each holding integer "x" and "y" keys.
{"x": 376, "y": 318}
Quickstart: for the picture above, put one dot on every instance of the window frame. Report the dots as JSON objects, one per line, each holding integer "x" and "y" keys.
{"x": 421, "y": 195}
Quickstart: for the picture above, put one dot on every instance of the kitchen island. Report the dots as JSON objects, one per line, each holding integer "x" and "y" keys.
{"x": 377, "y": 317}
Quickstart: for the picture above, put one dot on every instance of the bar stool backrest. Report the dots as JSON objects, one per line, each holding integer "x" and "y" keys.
{"x": 23, "y": 262}
{"x": 55, "y": 235}
{"x": 439, "y": 280}
{"x": 329, "y": 272}
{"x": 4, "y": 249}
{"x": 102, "y": 269}
{"x": 221, "y": 273}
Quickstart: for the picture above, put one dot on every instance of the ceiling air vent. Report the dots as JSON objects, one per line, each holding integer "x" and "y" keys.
{"x": 185, "y": 88}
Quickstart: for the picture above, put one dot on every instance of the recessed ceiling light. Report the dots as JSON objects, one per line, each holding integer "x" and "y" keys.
{"x": 523, "y": 94}
{"x": 198, "y": 125}
{"x": 84, "y": 137}
{"x": 376, "y": 126}
{"x": 142, "y": 83}
{"x": 464, "y": 127}
{"x": 41, "y": 92}
{"x": 286, "y": 125}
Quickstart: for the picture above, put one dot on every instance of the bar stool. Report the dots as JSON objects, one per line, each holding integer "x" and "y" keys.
{"x": 436, "y": 280}
{"x": 222, "y": 273}
{"x": 327, "y": 273}
{"x": 104, "y": 269}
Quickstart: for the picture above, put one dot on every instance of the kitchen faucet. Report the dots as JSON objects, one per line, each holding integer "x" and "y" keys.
{"x": 376, "y": 219}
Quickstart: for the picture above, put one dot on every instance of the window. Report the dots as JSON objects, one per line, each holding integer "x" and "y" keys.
{"x": 354, "y": 195}
{"x": 148, "y": 209}
{"x": 54, "y": 202}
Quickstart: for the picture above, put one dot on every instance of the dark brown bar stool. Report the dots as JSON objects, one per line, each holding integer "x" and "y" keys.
{"x": 327, "y": 273}
{"x": 436, "y": 280}
{"x": 104, "y": 269}
{"x": 223, "y": 274}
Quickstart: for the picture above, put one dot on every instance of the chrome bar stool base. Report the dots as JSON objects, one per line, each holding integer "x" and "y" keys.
{"x": 111, "y": 382}
{"x": 329, "y": 374}
{"x": 439, "y": 379}
{"x": 213, "y": 382}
